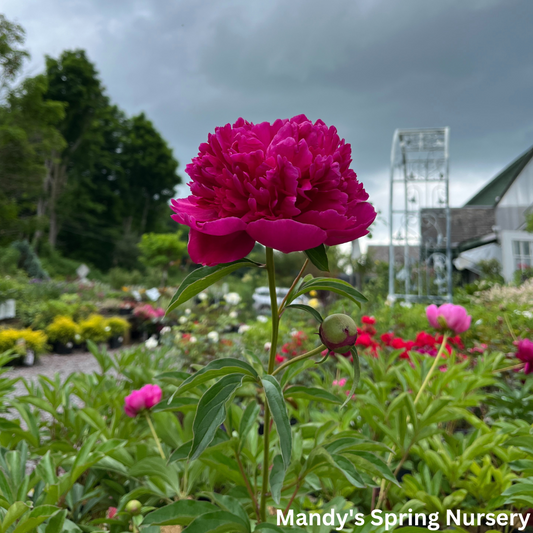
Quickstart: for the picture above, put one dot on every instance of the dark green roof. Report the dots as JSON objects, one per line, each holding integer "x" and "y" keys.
{"x": 492, "y": 193}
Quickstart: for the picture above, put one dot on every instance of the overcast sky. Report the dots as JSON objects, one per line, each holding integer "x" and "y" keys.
{"x": 366, "y": 66}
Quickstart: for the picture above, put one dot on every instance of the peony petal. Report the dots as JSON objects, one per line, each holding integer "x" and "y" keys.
{"x": 286, "y": 235}
{"x": 432, "y": 313}
{"x": 211, "y": 250}
{"x": 341, "y": 236}
{"x": 221, "y": 226}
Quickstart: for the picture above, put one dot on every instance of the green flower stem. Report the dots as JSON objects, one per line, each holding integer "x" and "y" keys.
{"x": 296, "y": 280}
{"x": 156, "y": 438}
{"x": 302, "y": 357}
{"x": 432, "y": 369}
{"x": 271, "y": 362}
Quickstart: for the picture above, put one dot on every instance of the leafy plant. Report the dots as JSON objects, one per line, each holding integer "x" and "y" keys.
{"x": 63, "y": 329}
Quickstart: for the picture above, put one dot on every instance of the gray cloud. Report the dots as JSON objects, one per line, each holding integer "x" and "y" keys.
{"x": 367, "y": 66}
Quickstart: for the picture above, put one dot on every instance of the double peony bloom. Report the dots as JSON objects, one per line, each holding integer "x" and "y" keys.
{"x": 286, "y": 185}
{"x": 144, "y": 398}
{"x": 448, "y": 317}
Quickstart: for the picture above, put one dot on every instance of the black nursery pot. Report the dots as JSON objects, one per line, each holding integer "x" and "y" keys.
{"x": 125, "y": 312}
{"x": 116, "y": 342}
{"x": 63, "y": 349}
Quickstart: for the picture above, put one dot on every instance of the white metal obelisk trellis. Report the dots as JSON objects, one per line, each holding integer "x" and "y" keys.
{"x": 419, "y": 216}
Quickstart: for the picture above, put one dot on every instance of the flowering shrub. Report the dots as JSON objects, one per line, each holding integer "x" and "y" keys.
{"x": 63, "y": 329}
{"x": 95, "y": 329}
{"x": 21, "y": 340}
{"x": 148, "y": 313}
{"x": 117, "y": 326}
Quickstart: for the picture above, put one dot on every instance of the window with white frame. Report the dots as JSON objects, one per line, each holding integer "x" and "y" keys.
{"x": 522, "y": 254}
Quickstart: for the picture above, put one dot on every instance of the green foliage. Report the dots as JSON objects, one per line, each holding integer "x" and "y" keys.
{"x": 95, "y": 328}
{"x": 9, "y": 260}
{"x": 20, "y": 340}
{"x": 162, "y": 250}
{"x": 63, "y": 329}
{"x": 29, "y": 262}
{"x": 117, "y": 326}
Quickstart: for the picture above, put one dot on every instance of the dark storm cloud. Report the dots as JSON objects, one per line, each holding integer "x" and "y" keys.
{"x": 367, "y": 66}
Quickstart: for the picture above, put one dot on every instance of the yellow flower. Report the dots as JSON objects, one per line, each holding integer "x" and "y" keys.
{"x": 312, "y": 294}
{"x": 313, "y": 302}
{"x": 125, "y": 289}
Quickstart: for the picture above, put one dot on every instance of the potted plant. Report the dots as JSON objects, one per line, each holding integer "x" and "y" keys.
{"x": 26, "y": 343}
{"x": 95, "y": 329}
{"x": 63, "y": 333}
{"x": 118, "y": 328}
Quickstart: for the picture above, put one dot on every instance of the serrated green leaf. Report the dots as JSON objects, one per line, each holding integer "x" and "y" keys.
{"x": 204, "y": 277}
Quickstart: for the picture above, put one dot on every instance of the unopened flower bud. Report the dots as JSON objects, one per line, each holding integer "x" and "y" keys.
{"x": 134, "y": 507}
{"x": 338, "y": 332}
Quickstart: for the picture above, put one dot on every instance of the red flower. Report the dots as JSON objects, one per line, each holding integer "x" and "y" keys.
{"x": 280, "y": 358}
{"x": 368, "y": 320}
{"x": 387, "y": 339}
{"x": 111, "y": 512}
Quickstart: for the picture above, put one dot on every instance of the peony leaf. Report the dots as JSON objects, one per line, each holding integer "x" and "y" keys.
{"x": 356, "y": 374}
{"x": 177, "y": 404}
{"x": 216, "y": 368}
{"x": 338, "y": 286}
{"x": 277, "y": 476}
{"x": 311, "y": 393}
{"x": 248, "y": 421}
{"x": 204, "y": 277}
{"x": 308, "y": 309}
{"x": 219, "y": 522}
{"x": 182, "y": 513}
{"x": 275, "y": 400}
{"x": 319, "y": 257}
{"x": 211, "y": 412}
{"x": 349, "y": 470}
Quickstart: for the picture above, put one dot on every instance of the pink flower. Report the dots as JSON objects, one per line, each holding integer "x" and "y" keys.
{"x": 448, "y": 317}
{"x": 152, "y": 395}
{"x": 145, "y": 398}
{"x": 340, "y": 383}
{"x": 286, "y": 185}
{"x": 111, "y": 512}
{"x": 525, "y": 354}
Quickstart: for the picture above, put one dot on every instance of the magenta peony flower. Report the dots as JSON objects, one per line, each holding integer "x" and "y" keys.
{"x": 286, "y": 185}
{"x": 145, "y": 398}
{"x": 525, "y": 354}
{"x": 448, "y": 317}
{"x": 152, "y": 395}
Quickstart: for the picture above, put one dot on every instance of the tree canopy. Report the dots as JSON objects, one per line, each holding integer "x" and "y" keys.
{"x": 76, "y": 173}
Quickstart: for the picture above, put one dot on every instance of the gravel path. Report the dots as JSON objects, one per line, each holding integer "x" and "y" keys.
{"x": 50, "y": 365}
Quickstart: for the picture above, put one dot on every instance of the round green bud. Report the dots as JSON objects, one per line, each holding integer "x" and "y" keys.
{"x": 338, "y": 333}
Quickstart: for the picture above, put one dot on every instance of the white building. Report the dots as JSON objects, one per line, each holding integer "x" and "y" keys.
{"x": 509, "y": 199}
